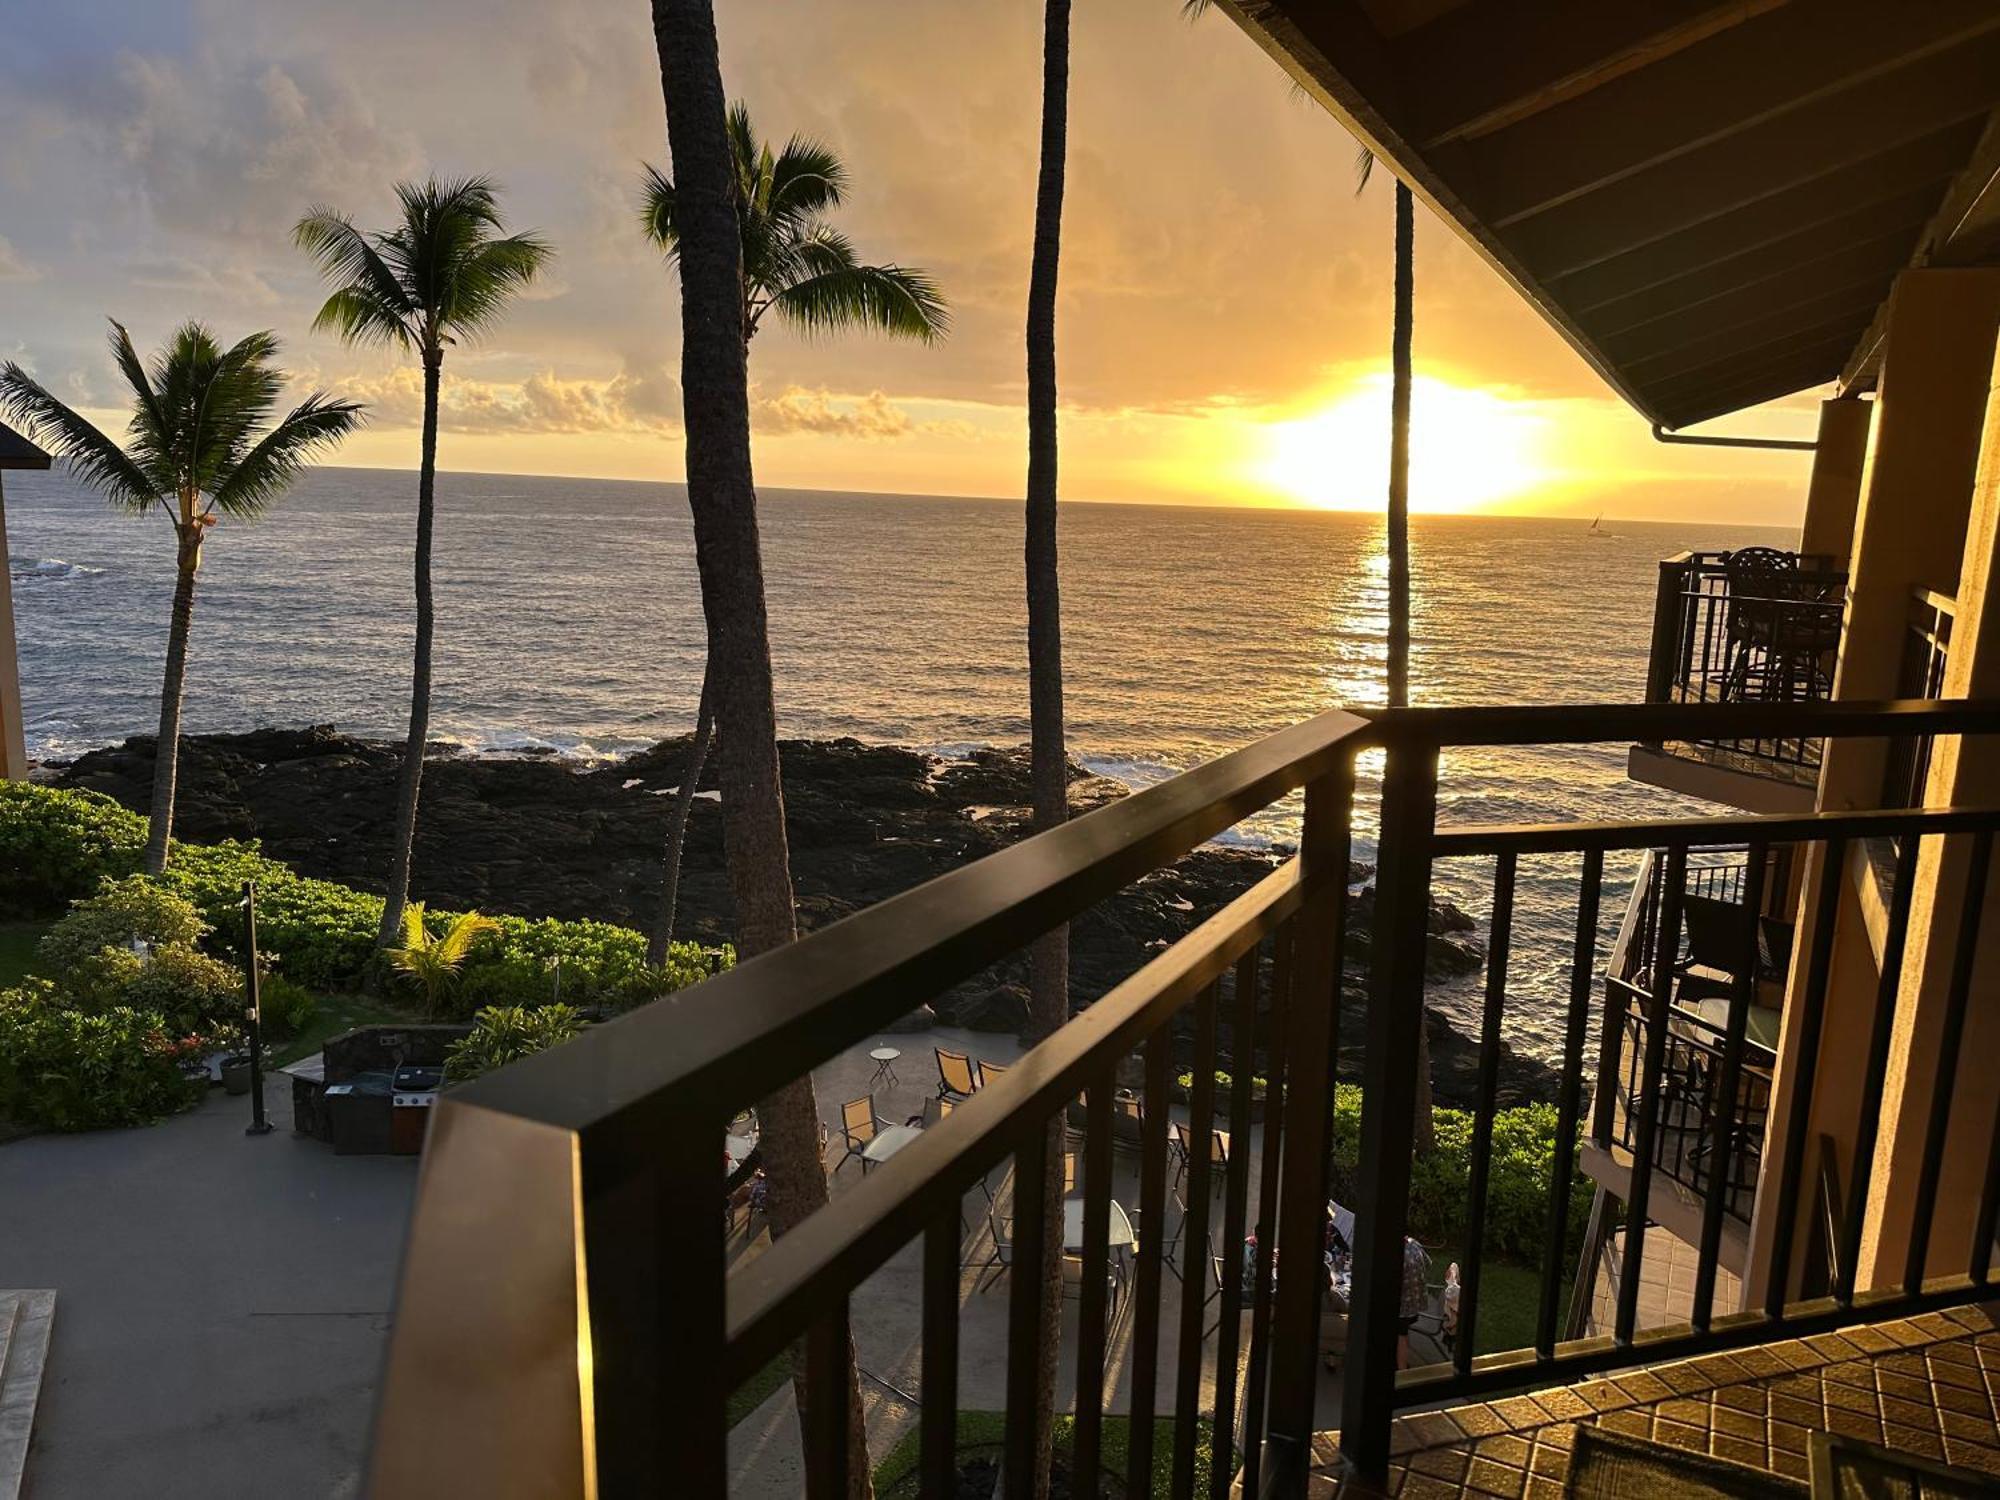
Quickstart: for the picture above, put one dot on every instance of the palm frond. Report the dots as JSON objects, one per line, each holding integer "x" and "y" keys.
{"x": 369, "y": 304}
{"x": 96, "y": 461}
{"x": 1364, "y": 167}
{"x": 149, "y": 427}
{"x": 807, "y": 180}
{"x": 896, "y": 300}
{"x": 1193, "y": 8}
{"x": 657, "y": 203}
{"x": 488, "y": 275}
{"x": 282, "y": 454}
{"x": 466, "y": 929}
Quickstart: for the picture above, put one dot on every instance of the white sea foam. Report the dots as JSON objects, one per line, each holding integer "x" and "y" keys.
{"x": 48, "y": 569}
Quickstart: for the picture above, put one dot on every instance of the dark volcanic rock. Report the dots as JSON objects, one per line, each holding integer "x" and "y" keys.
{"x": 538, "y": 837}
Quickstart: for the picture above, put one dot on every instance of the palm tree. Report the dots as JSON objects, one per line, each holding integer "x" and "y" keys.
{"x": 430, "y": 961}
{"x": 446, "y": 272}
{"x": 1397, "y": 526}
{"x": 798, "y": 266}
{"x": 1048, "y": 758}
{"x": 201, "y": 446}
{"x": 722, "y": 496}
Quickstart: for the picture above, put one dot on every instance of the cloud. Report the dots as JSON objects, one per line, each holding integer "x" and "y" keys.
{"x": 638, "y": 399}
{"x": 14, "y": 266}
{"x": 235, "y": 150}
{"x": 223, "y": 282}
{"x": 797, "y": 410}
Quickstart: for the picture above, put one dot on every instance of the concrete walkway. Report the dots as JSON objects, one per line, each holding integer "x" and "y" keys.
{"x": 222, "y": 1303}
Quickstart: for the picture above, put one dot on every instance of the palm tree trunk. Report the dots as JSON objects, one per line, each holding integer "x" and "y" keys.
{"x": 411, "y": 780}
{"x": 1048, "y": 961}
{"x": 1399, "y": 549}
{"x": 167, "y": 747}
{"x": 723, "y": 499}
{"x": 704, "y": 735}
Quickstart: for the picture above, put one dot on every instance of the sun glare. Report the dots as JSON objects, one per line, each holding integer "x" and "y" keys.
{"x": 1469, "y": 449}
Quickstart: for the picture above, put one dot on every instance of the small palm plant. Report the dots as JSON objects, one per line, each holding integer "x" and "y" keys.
{"x": 201, "y": 446}
{"x": 431, "y": 961}
{"x": 445, "y": 273}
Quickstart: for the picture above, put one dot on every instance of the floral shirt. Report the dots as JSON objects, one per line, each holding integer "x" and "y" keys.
{"x": 1416, "y": 1270}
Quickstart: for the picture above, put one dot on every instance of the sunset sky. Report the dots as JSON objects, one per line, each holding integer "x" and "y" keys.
{"x": 1225, "y": 311}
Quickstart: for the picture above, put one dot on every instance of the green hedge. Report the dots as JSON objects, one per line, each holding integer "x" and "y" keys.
{"x": 1517, "y": 1185}
{"x": 67, "y": 1069}
{"x": 57, "y": 846}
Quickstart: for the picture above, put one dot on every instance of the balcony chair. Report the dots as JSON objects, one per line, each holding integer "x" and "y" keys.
{"x": 955, "y": 1079}
{"x": 858, "y": 1126}
{"x": 1001, "y": 1260}
{"x": 1781, "y": 620}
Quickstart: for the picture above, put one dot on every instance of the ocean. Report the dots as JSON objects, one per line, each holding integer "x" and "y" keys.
{"x": 569, "y": 621}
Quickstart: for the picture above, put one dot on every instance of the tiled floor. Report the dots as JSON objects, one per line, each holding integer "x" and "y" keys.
{"x": 1666, "y": 1283}
{"x": 1926, "y": 1385}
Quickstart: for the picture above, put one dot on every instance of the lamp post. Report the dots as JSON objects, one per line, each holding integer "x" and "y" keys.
{"x": 252, "y": 1017}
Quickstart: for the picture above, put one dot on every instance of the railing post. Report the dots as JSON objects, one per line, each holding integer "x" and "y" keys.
{"x": 654, "y": 1267}
{"x": 1389, "y": 1102}
{"x": 1669, "y": 605}
{"x": 1312, "y": 1050}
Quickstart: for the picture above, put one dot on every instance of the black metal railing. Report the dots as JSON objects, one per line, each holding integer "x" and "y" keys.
{"x": 1750, "y": 626}
{"x": 1926, "y": 651}
{"x": 567, "y": 1324}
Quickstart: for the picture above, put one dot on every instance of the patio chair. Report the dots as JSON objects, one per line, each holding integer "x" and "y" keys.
{"x": 858, "y": 1126}
{"x": 1002, "y": 1260}
{"x": 988, "y": 1072}
{"x": 955, "y": 1080}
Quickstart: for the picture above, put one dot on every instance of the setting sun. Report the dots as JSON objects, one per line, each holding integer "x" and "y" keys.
{"x": 1469, "y": 449}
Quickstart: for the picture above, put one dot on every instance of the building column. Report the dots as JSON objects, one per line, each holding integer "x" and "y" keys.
{"x": 1909, "y": 532}
{"x": 1962, "y": 774}
{"x": 13, "y": 741}
{"x": 1833, "y": 495}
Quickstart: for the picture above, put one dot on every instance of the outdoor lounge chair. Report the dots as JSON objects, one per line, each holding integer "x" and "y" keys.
{"x": 988, "y": 1072}
{"x": 858, "y": 1125}
{"x": 955, "y": 1078}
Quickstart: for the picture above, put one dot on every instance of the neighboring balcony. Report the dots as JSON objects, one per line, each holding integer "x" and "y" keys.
{"x": 1756, "y": 625}
{"x": 1674, "y": 968}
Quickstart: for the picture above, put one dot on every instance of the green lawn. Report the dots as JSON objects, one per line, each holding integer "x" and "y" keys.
{"x": 17, "y": 950}
{"x": 755, "y": 1391}
{"x": 337, "y": 1013}
{"x": 1509, "y": 1298}
{"x": 896, "y": 1473}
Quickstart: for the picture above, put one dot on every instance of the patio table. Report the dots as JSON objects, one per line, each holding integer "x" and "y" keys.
{"x": 1120, "y": 1236}
{"x": 888, "y": 1141}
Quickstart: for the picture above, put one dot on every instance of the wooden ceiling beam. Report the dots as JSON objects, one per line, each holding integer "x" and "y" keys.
{"x": 1486, "y": 65}
{"x": 1870, "y": 262}
{"x": 1791, "y": 327}
{"x": 1905, "y": 215}
{"x": 1947, "y": 88}
{"x": 1803, "y": 373}
{"x": 1818, "y": 351}
{"x": 1795, "y": 58}
{"x": 1921, "y": 166}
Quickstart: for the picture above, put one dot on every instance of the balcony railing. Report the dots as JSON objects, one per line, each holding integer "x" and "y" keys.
{"x": 1701, "y": 965}
{"x": 566, "y": 1323}
{"x": 1750, "y": 626}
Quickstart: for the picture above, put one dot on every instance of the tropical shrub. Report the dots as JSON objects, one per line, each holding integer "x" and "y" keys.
{"x": 321, "y": 933}
{"x": 65, "y": 1069}
{"x": 120, "y": 912}
{"x": 505, "y": 1033}
{"x": 190, "y": 991}
{"x": 56, "y": 845}
{"x": 1517, "y": 1189}
{"x": 288, "y": 1007}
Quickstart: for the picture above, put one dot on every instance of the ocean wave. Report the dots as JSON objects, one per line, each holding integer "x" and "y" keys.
{"x": 48, "y": 569}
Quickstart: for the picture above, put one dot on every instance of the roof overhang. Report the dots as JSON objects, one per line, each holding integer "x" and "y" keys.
{"x": 1709, "y": 201}
{"x": 16, "y": 452}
